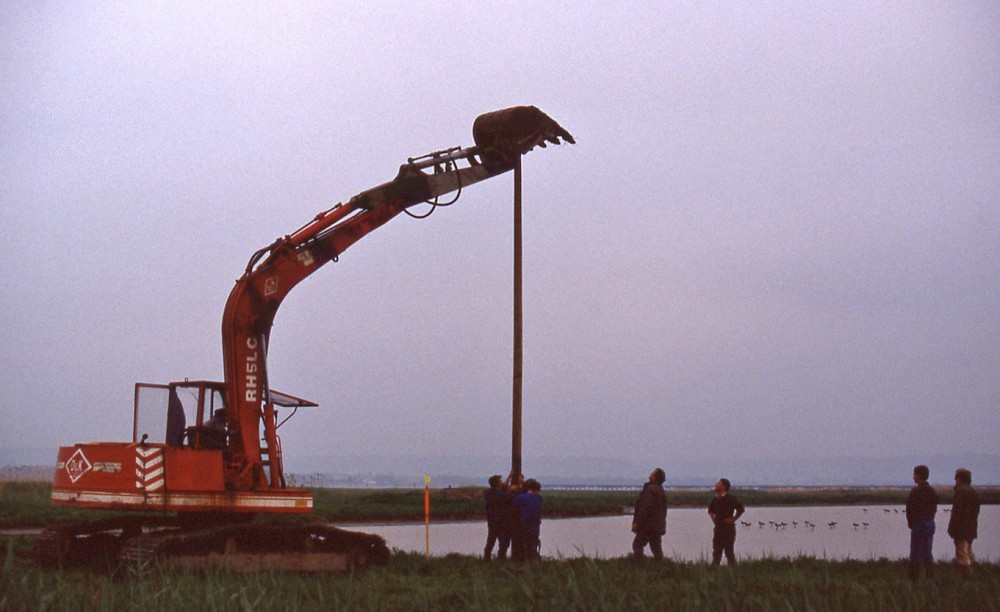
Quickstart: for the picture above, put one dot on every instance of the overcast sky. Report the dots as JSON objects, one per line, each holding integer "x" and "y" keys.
{"x": 778, "y": 234}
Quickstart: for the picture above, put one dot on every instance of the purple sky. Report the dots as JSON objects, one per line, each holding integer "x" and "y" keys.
{"x": 778, "y": 234}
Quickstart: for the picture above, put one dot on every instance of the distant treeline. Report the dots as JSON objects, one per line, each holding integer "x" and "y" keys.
{"x": 26, "y": 472}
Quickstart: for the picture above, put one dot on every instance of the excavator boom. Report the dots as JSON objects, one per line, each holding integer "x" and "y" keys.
{"x": 275, "y": 270}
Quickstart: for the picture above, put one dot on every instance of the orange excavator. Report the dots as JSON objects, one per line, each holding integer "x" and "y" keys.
{"x": 205, "y": 457}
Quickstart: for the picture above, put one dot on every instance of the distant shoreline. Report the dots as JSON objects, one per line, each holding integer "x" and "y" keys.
{"x": 43, "y": 474}
{"x": 584, "y": 473}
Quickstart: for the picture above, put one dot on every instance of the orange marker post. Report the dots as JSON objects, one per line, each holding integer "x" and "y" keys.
{"x": 427, "y": 516}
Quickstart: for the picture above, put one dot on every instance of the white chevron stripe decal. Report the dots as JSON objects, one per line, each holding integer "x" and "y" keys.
{"x": 149, "y": 473}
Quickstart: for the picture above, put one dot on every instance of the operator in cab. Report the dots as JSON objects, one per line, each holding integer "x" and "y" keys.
{"x": 213, "y": 436}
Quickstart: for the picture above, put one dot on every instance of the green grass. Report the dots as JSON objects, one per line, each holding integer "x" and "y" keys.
{"x": 455, "y": 503}
{"x": 467, "y": 502}
{"x": 26, "y": 503}
{"x": 457, "y": 582}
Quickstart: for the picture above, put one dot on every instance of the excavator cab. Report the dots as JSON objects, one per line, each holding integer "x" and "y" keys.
{"x": 180, "y": 414}
{"x": 192, "y": 413}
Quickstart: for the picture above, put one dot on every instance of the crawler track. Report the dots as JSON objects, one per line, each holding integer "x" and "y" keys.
{"x": 94, "y": 544}
{"x": 119, "y": 544}
{"x": 313, "y": 546}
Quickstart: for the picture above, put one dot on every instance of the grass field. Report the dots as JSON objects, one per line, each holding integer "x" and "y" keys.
{"x": 458, "y": 582}
{"x": 409, "y": 582}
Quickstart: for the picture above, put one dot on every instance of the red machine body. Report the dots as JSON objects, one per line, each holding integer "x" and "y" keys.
{"x": 169, "y": 466}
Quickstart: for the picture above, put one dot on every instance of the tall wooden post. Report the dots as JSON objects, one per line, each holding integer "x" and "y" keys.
{"x": 515, "y": 460}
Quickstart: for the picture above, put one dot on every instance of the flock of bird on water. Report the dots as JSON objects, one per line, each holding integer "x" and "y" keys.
{"x": 811, "y": 525}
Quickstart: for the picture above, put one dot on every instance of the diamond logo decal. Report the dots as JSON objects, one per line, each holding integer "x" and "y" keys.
{"x": 77, "y": 466}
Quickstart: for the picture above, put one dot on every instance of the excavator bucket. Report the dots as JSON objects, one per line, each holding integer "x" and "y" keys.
{"x": 504, "y": 134}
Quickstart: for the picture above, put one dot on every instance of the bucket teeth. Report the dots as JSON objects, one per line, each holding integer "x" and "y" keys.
{"x": 504, "y": 134}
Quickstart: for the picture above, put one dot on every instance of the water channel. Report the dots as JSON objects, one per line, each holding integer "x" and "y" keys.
{"x": 858, "y": 532}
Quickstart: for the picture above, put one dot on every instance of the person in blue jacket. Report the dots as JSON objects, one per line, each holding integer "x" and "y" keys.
{"x": 529, "y": 513}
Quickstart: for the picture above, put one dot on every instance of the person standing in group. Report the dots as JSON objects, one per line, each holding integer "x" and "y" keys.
{"x": 494, "y": 498}
{"x": 649, "y": 522}
{"x": 512, "y": 521}
{"x": 921, "y": 506}
{"x": 964, "y": 521}
{"x": 725, "y": 509}
{"x": 529, "y": 510}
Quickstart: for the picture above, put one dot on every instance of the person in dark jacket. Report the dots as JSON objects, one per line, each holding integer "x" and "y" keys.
{"x": 649, "y": 522}
{"x": 725, "y": 509}
{"x": 921, "y": 506}
{"x": 512, "y": 520}
{"x": 495, "y": 500}
{"x": 964, "y": 522}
